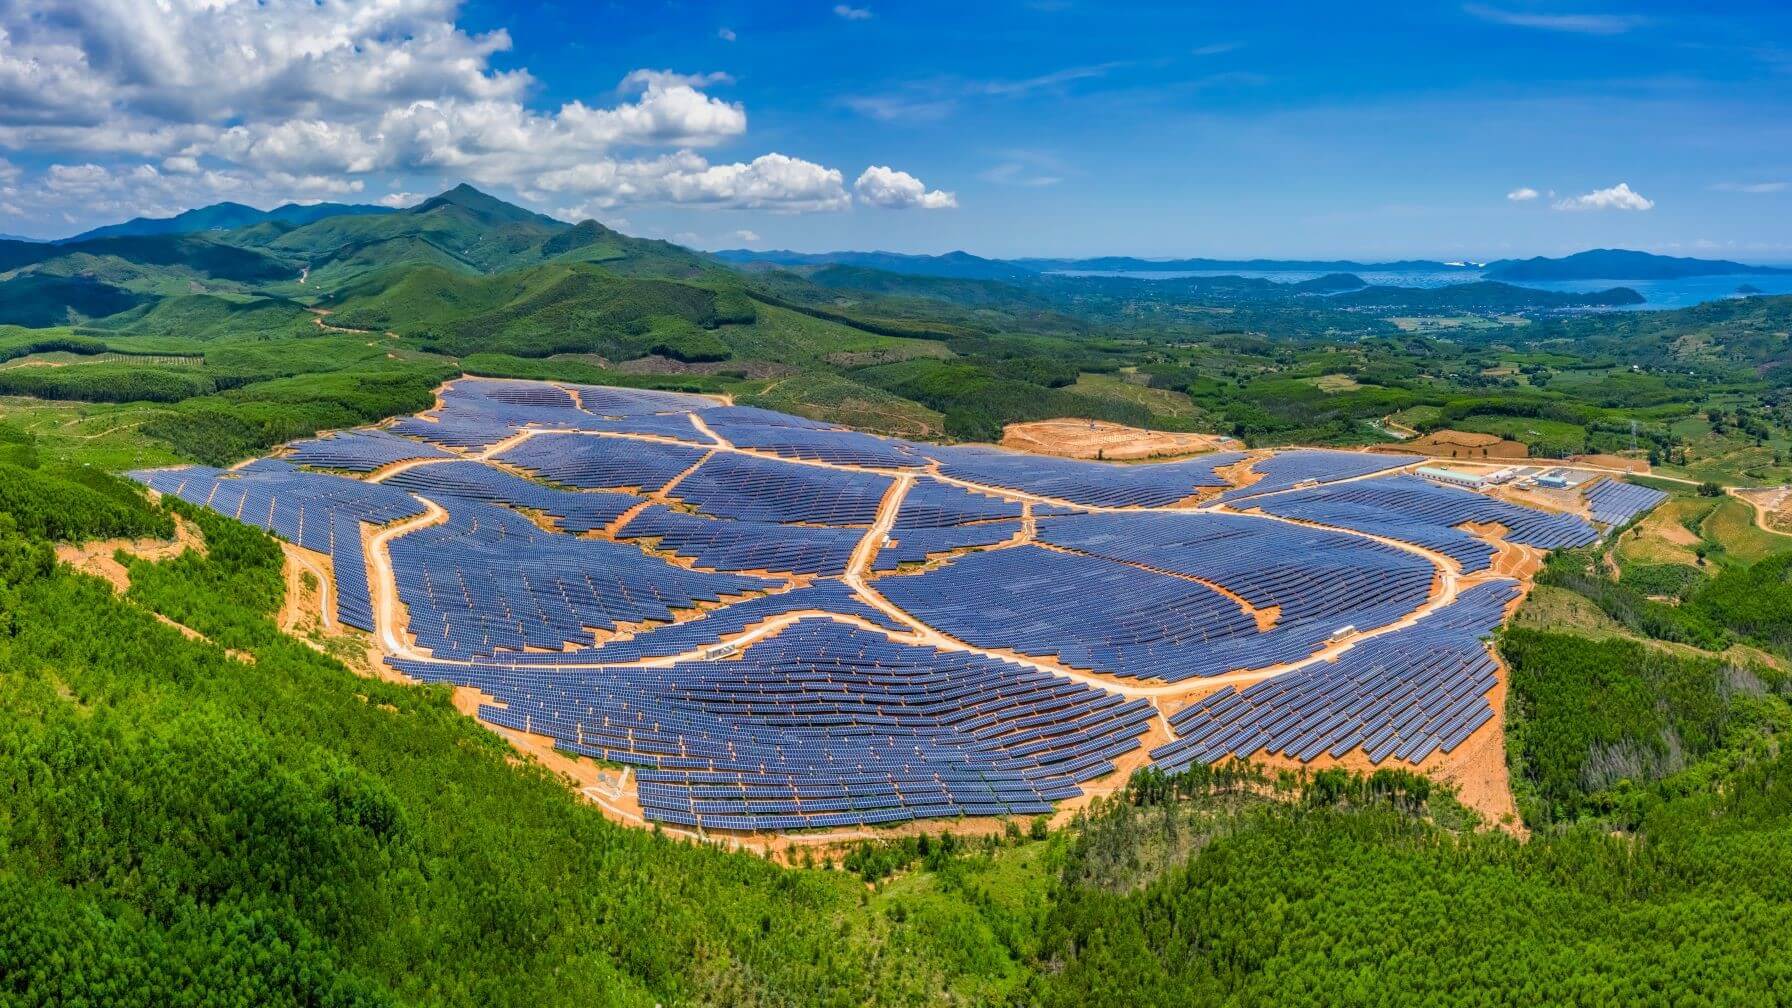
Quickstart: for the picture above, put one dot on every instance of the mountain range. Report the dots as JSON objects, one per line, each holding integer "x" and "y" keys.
{"x": 1620, "y": 264}
{"x": 1594, "y": 264}
{"x": 225, "y": 217}
{"x": 465, "y": 263}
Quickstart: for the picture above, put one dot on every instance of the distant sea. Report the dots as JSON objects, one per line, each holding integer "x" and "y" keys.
{"x": 1657, "y": 294}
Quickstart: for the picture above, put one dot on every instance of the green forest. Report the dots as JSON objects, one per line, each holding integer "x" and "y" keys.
{"x": 234, "y": 817}
{"x": 239, "y": 819}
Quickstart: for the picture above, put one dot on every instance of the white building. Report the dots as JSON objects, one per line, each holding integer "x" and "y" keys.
{"x": 1470, "y": 481}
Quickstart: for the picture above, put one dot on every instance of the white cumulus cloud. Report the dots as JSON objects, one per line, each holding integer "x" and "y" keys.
{"x": 1522, "y": 194}
{"x": 165, "y": 105}
{"x": 1618, "y": 197}
{"x": 886, "y": 187}
{"x": 768, "y": 182}
{"x": 852, "y": 13}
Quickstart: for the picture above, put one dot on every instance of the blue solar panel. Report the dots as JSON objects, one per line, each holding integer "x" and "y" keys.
{"x": 757, "y": 489}
{"x": 1288, "y": 469}
{"x": 359, "y": 451}
{"x": 1086, "y": 612}
{"x": 1104, "y": 484}
{"x": 610, "y": 463}
{"x": 489, "y": 580}
{"x": 1614, "y": 503}
{"x": 314, "y": 510}
{"x": 571, "y": 511}
{"x": 822, "y": 725}
{"x": 722, "y": 544}
{"x": 805, "y": 712}
{"x": 1405, "y": 694}
{"x": 1415, "y": 510}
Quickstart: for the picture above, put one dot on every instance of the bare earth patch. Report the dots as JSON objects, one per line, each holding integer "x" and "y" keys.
{"x": 1640, "y": 466}
{"x": 1099, "y": 439}
{"x": 1463, "y": 445}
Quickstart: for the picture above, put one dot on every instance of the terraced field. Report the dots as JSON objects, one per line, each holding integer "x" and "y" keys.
{"x": 776, "y": 624}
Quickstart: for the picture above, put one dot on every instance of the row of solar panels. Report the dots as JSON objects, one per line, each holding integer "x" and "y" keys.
{"x": 866, "y": 730}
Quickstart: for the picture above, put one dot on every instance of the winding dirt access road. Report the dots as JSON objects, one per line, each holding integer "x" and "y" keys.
{"x": 1448, "y": 583}
{"x": 388, "y": 611}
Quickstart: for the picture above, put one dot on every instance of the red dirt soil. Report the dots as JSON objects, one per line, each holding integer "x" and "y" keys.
{"x": 1090, "y": 439}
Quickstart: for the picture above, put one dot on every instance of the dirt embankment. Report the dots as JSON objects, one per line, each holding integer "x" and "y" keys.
{"x": 1640, "y": 466}
{"x": 1773, "y": 507}
{"x": 99, "y": 557}
{"x": 1099, "y": 439}
{"x": 1457, "y": 444}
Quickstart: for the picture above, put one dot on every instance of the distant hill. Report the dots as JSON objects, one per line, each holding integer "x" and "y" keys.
{"x": 546, "y": 309}
{"x": 1618, "y": 264}
{"x": 1485, "y": 294}
{"x": 462, "y": 230}
{"x": 185, "y": 255}
{"x": 1330, "y": 283}
{"x": 952, "y": 265}
{"x": 1133, "y": 264}
{"x": 226, "y": 217}
{"x": 308, "y": 253}
{"x": 17, "y": 238}
{"x": 38, "y": 301}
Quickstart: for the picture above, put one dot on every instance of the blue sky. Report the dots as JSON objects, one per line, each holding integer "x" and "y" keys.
{"x": 1007, "y": 128}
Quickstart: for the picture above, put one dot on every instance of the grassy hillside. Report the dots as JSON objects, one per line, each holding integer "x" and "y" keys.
{"x": 40, "y": 301}
{"x": 466, "y": 276}
{"x": 208, "y": 318}
{"x": 534, "y": 312}
{"x": 234, "y": 817}
{"x": 187, "y": 254}
{"x": 188, "y": 824}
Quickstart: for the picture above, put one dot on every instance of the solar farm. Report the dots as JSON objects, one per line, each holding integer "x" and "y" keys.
{"x": 772, "y": 624}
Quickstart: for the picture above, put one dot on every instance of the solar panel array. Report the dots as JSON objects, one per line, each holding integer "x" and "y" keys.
{"x": 1087, "y": 612}
{"x": 601, "y": 463}
{"x": 488, "y": 580}
{"x": 835, "y": 446}
{"x": 826, "y": 595}
{"x": 756, "y": 489}
{"x": 1287, "y": 469}
{"x": 1316, "y": 580}
{"x": 825, "y": 722}
{"x": 917, "y": 545}
{"x": 360, "y": 451}
{"x": 572, "y": 511}
{"x": 463, "y": 431}
{"x": 315, "y": 510}
{"x": 1405, "y": 694}
{"x": 724, "y": 544}
{"x": 1101, "y": 484}
{"x": 606, "y": 401}
{"x": 930, "y": 503}
{"x": 1614, "y": 503}
{"x": 822, "y": 726}
{"x": 938, "y": 518}
{"x": 477, "y": 413}
{"x": 1416, "y": 510}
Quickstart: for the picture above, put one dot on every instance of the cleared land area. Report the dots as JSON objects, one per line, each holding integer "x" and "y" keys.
{"x": 1100, "y": 439}
{"x": 776, "y": 625}
{"x": 1457, "y": 444}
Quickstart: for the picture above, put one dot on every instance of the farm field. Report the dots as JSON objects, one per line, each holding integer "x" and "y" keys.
{"x": 778, "y": 625}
